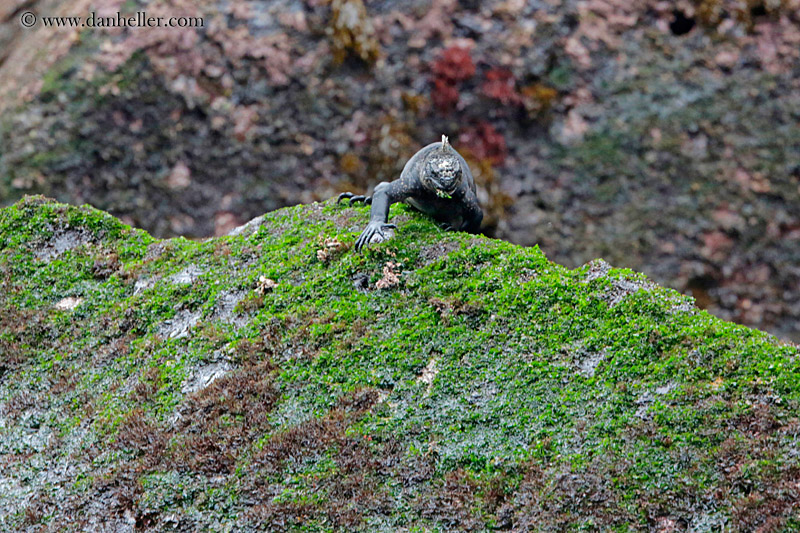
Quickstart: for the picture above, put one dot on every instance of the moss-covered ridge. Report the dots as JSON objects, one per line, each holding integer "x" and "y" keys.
{"x": 437, "y": 382}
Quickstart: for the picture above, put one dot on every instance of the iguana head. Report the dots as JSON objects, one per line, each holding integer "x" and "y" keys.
{"x": 441, "y": 170}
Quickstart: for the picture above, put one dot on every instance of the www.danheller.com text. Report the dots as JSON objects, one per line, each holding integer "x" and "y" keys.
{"x": 140, "y": 19}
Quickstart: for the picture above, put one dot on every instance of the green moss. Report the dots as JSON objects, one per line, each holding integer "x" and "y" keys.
{"x": 487, "y": 370}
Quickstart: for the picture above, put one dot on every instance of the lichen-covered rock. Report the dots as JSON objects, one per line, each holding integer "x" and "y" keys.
{"x": 483, "y": 388}
{"x": 351, "y": 31}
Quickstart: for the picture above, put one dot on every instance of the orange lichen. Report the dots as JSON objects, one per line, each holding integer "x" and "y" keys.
{"x": 713, "y": 12}
{"x": 415, "y": 103}
{"x": 350, "y": 163}
{"x": 538, "y": 98}
{"x": 352, "y": 32}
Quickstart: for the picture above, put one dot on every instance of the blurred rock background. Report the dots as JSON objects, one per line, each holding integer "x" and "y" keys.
{"x": 663, "y": 136}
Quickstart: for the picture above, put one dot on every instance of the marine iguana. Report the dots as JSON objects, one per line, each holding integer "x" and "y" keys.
{"x": 436, "y": 181}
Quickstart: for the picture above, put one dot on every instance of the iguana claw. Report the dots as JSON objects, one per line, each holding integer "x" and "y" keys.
{"x": 372, "y": 229}
{"x": 367, "y": 200}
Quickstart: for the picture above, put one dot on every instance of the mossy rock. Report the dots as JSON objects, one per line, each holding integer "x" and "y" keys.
{"x": 274, "y": 379}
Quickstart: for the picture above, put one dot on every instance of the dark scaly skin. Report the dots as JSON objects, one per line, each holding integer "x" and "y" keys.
{"x": 460, "y": 211}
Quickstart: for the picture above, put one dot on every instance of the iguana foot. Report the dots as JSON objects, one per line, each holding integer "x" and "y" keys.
{"x": 373, "y": 230}
{"x": 355, "y": 198}
{"x": 447, "y": 227}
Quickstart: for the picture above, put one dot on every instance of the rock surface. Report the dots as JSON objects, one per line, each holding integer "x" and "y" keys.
{"x": 485, "y": 388}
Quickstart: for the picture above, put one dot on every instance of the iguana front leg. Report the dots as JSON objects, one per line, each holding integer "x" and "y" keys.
{"x": 473, "y": 214}
{"x": 469, "y": 211}
{"x": 385, "y": 195}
